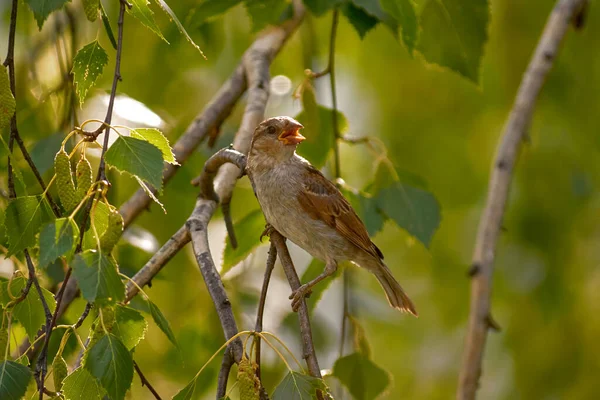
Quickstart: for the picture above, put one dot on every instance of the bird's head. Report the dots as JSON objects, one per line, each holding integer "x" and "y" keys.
{"x": 277, "y": 137}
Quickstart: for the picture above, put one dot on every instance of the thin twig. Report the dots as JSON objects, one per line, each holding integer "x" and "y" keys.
{"x": 500, "y": 180}
{"x": 334, "y": 110}
{"x": 308, "y": 347}
{"x": 223, "y": 377}
{"x": 83, "y": 315}
{"x": 145, "y": 381}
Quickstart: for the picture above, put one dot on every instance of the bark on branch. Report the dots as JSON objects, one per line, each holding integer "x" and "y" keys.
{"x": 500, "y": 180}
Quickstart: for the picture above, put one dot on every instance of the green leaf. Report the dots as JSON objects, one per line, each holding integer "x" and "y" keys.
{"x": 90, "y": 7}
{"x": 81, "y": 385}
{"x": 363, "y": 378}
{"x": 265, "y": 12}
{"x": 24, "y": 217}
{"x": 248, "y": 230}
{"x": 107, "y": 27}
{"x": 155, "y": 137}
{"x": 315, "y": 268}
{"x": 174, "y": 18}
{"x": 14, "y": 379}
{"x": 138, "y": 158}
{"x": 209, "y": 9}
{"x": 30, "y": 311}
{"x": 296, "y": 386}
{"x": 98, "y": 277}
{"x": 130, "y": 326}
{"x": 7, "y": 100}
{"x": 144, "y": 14}
{"x": 318, "y": 128}
{"x": 100, "y": 218}
{"x": 88, "y": 65}
{"x": 57, "y": 238}
{"x": 413, "y": 209}
{"x": 43, "y": 8}
{"x": 162, "y": 322}
{"x": 373, "y": 8}
{"x": 359, "y": 19}
{"x": 150, "y": 193}
{"x": 111, "y": 363}
{"x": 453, "y": 34}
{"x": 366, "y": 208}
{"x": 403, "y": 12}
{"x": 320, "y": 7}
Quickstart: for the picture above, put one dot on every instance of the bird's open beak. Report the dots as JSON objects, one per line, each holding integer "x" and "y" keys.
{"x": 290, "y": 135}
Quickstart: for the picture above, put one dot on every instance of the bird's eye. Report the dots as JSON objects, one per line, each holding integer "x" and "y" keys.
{"x": 271, "y": 130}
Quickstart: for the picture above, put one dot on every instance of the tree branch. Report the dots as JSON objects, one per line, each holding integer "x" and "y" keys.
{"x": 500, "y": 180}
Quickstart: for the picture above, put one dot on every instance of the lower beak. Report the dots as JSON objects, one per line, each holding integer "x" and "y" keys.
{"x": 291, "y": 135}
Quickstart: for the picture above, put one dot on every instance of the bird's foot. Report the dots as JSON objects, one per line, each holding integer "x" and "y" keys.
{"x": 298, "y": 295}
{"x": 267, "y": 232}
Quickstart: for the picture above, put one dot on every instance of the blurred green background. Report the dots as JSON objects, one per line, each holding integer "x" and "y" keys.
{"x": 435, "y": 124}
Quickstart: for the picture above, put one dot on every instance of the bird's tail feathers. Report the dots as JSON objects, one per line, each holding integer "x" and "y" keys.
{"x": 393, "y": 291}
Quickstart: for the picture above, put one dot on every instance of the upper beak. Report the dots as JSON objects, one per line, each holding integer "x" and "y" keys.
{"x": 290, "y": 134}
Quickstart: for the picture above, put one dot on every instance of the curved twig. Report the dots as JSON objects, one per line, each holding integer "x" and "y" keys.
{"x": 490, "y": 224}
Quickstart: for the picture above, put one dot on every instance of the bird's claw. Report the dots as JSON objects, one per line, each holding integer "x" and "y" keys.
{"x": 298, "y": 295}
{"x": 267, "y": 232}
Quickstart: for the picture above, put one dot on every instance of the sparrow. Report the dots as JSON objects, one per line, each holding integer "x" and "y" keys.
{"x": 308, "y": 209}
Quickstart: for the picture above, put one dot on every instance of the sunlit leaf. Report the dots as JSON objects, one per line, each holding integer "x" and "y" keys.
{"x": 130, "y": 326}
{"x": 182, "y": 30}
{"x": 318, "y": 128}
{"x": 161, "y": 322}
{"x": 14, "y": 379}
{"x": 137, "y": 157}
{"x": 155, "y": 137}
{"x": 404, "y": 13}
{"x": 141, "y": 10}
{"x": 23, "y": 220}
{"x": 7, "y": 100}
{"x": 248, "y": 231}
{"x": 97, "y": 276}
{"x": 296, "y": 386}
{"x": 100, "y": 218}
{"x": 57, "y": 239}
{"x": 81, "y": 385}
{"x": 111, "y": 363}
{"x": 363, "y": 378}
{"x": 88, "y": 65}
{"x": 43, "y": 8}
{"x": 29, "y": 312}
{"x": 265, "y": 12}
{"x": 454, "y": 33}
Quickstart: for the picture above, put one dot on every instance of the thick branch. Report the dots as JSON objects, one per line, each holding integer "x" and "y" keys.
{"x": 308, "y": 348}
{"x": 500, "y": 180}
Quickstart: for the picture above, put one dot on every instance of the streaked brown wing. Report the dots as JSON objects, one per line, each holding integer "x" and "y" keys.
{"x": 323, "y": 201}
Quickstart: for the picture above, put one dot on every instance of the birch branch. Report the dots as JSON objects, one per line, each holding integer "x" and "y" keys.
{"x": 490, "y": 224}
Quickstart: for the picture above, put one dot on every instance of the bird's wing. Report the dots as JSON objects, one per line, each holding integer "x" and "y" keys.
{"x": 323, "y": 201}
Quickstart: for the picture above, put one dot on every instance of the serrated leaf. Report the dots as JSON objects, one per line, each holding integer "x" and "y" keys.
{"x": 264, "y": 12}
{"x": 43, "y": 8}
{"x": 182, "y": 30}
{"x": 137, "y": 157}
{"x": 30, "y": 311}
{"x": 150, "y": 193}
{"x": 23, "y": 220}
{"x": 155, "y": 137}
{"x": 453, "y": 34}
{"x": 318, "y": 128}
{"x": 161, "y": 322}
{"x": 57, "y": 239}
{"x": 403, "y": 11}
{"x": 14, "y": 379}
{"x": 88, "y": 65}
{"x": 248, "y": 230}
{"x": 315, "y": 268}
{"x": 98, "y": 277}
{"x": 359, "y": 19}
{"x": 141, "y": 10}
{"x": 130, "y": 326}
{"x": 100, "y": 218}
{"x": 111, "y": 363}
{"x": 7, "y": 100}
{"x": 320, "y": 7}
{"x": 81, "y": 385}
{"x": 413, "y": 209}
{"x": 363, "y": 378}
{"x": 296, "y": 386}
{"x": 209, "y": 9}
